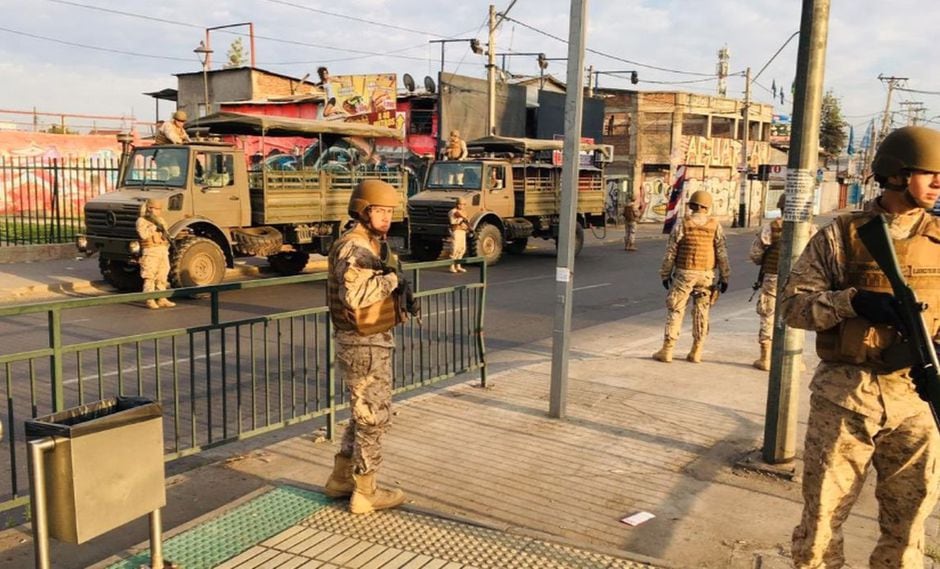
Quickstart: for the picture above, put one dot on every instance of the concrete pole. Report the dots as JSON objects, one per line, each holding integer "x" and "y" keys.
{"x": 745, "y": 138}
{"x": 567, "y": 218}
{"x": 491, "y": 75}
{"x": 787, "y": 353}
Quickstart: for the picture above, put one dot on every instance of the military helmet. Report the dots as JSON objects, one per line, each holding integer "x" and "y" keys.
{"x": 179, "y": 116}
{"x": 371, "y": 192}
{"x": 152, "y": 203}
{"x": 460, "y": 201}
{"x": 781, "y": 201}
{"x": 702, "y": 198}
{"x": 905, "y": 149}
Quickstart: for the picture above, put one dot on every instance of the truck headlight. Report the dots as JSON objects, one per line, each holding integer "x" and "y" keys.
{"x": 81, "y": 243}
{"x": 134, "y": 247}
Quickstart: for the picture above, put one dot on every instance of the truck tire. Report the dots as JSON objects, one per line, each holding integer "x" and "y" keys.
{"x": 578, "y": 240}
{"x": 196, "y": 261}
{"x": 426, "y": 249}
{"x": 289, "y": 263}
{"x": 121, "y": 275}
{"x": 517, "y": 246}
{"x": 258, "y": 240}
{"x": 488, "y": 243}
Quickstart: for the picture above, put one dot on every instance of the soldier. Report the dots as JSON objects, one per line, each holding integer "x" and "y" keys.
{"x": 632, "y": 212}
{"x": 765, "y": 251}
{"x": 368, "y": 296}
{"x": 155, "y": 253}
{"x": 459, "y": 225}
{"x": 172, "y": 131}
{"x": 864, "y": 410}
{"x": 456, "y": 148}
{"x": 695, "y": 246}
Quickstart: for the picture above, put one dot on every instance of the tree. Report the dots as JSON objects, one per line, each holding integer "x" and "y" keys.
{"x": 236, "y": 54}
{"x": 832, "y": 135}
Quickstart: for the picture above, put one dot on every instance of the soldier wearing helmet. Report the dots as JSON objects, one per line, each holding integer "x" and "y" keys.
{"x": 696, "y": 246}
{"x": 368, "y": 296}
{"x": 765, "y": 252}
{"x": 459, "y": 225}
{"x": 456, "y": 148}
{"x": 172, "y": 131}
{"x": 155, "y": 252}
{"x": 863, "y": 409}
{"x": 632, "y": 212}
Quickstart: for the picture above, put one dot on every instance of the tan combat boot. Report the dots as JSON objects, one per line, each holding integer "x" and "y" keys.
{"x": 665, "y": 353}
{"x": 340, "y": 484}
{"x": 152, "y": 304}
{"x": 367, "y": 497}
{"x": 166, "y": 303}
{"x": 763, "y": 362}
{"x": 695, "y": 354}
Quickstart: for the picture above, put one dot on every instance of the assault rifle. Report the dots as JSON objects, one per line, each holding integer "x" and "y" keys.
{"x": 392, "y": 264}
{"x": 874, "y": 235}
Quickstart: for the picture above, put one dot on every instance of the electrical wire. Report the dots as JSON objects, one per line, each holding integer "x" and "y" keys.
{"x": 92, "y": 47}
{"x": 918, "y": 91}
{"x": 355, "y": 18}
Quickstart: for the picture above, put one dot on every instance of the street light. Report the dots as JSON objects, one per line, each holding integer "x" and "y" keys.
{"x": 477, "y": 48}
{"x": 203, "y": 53}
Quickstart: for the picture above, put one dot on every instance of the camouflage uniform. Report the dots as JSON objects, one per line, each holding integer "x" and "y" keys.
{"x": 632, "y": 211}
{"x": 859, "y": 416}
{"x": 155, "y": 254}
{"x": 365, "y": 361}
{"x": 688, "y": 282}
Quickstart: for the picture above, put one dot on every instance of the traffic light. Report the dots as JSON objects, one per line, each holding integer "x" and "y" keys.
{"x": 633, "y": 78}
{"x": 475, "y": 46}
{"x": 543, "y": 63}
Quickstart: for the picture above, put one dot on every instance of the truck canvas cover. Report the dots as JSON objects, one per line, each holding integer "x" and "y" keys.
{"x": 261, "y": 125}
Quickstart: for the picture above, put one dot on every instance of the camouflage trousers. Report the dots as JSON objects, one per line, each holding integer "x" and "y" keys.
{"x": 155, "y": 268}
{"x": 458, "y": 244}
{"x": 367, "y": 373}
{"x": 685, "y": 285}
{"x": 629, "y": 236}
{"x": 840, "y": 446}
{"x": 766, "y": 304}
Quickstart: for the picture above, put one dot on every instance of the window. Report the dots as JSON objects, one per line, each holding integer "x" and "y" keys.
{"x": 497, "y": 178}
{"x": 694, "y": 125}
{"x": 722, "y": 127}
{"x": 214, "y": 169}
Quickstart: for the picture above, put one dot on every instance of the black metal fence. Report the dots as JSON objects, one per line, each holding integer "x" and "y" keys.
{"x": 231, "y": 376}
{"x": 42, "y": 199}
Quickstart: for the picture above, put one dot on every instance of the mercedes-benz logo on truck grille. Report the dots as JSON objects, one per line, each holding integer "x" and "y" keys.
{"x": 111, "y": 219}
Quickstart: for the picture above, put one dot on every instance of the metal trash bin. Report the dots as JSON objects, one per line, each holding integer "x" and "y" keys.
{"x": 105, "y": 467}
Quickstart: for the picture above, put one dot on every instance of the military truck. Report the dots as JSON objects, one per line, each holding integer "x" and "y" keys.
{"x": 217, "y": 208}
{"x": 513, "y": 191}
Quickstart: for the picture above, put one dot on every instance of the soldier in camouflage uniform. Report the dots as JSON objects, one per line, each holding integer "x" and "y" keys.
{"x": 864, "y": 410}
{"x": 696, "y": 245}
{"x": 632, "y": 212}
{"x": 155, "y": 252}
{"x": 368, "y": 296}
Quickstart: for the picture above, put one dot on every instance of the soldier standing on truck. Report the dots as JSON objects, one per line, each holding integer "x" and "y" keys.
{"x": 456, "y": 148}
{"x": 172, "y": 131}
{"x": 367, "y": 296}
{"x": 155, "y": 253}
{"x": 864, "y": 410}
{"x": 459, "y": 225}
{"x": 696, "y": 245}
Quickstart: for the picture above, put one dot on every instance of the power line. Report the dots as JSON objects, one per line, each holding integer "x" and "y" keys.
{"x": 355, "y": 18}
{"x": 917, "y": 91}
{"x": 96, "y": 48}
{"x": 614, "y": 57}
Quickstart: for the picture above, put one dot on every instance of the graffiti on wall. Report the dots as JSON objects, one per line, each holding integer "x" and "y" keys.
{"x": 656, "y": 191}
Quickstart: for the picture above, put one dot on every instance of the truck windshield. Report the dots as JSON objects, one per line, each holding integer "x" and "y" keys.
{"x": 452, "y": 174}
{"x": 157, "y": 167}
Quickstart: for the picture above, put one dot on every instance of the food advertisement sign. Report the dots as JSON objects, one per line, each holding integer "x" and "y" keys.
{"x": 362, "y": 98}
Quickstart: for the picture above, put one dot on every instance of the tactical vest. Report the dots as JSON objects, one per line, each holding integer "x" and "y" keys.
{"x": 631, "y": 212}
{"x": 156, "y": 239}
{"x": 858, "y": 341}
{"x": 771, "y": 259}
{"x": 376, "y": 318}
{"x": 453, "y": 150}
{"x": 697, "y": 248}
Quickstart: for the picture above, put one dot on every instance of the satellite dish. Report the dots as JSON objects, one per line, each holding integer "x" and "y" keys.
{"x": 409, "y": 82}
{"x": 429, "y": 84}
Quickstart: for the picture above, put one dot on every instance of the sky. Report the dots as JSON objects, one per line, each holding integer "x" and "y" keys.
{"x": 97, "y": 57}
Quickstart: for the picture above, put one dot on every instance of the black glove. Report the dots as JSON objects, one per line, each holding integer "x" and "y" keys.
{"x": 667, "y": 282}
{"x": 722, "y": 286}
{"x": 876, "y": 307}
{"x": 920, "y": 377}
{"x": 411, "y": 304}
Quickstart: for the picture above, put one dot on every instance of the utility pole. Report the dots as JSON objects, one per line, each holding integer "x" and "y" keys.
{"x": 491, "y": 75}
{"x": 787, "y": 353}
{"x": 564, "y": 269}
{"x": 886, "y": 118}
{"x": 915, "y": 111}
{"x": 724, "y": 57}
{"x": 746, "y": 112}
{"x": 590, "y": 80}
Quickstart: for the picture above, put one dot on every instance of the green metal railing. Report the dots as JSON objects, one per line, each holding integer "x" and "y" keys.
{"x": 230, "y": 377}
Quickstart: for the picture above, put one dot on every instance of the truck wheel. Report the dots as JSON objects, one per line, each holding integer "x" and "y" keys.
{"x": 258, "y": 240}
{"x": 121, "y": 275}
{"x": 578, "y": 240}
{"x": 488, "y": 243}
{"x": 426, "y": 249}
{"x": 289, "y": 263}
{"x": 197, "y": 261}
{"x": 517, "y": 246}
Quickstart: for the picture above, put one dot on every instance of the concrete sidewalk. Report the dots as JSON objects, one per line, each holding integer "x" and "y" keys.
{"x": 639, "y": 436}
